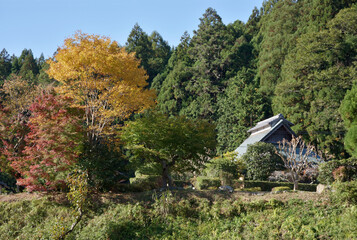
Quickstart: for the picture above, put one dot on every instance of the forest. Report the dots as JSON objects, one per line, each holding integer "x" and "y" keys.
{"x": 101, "y": 118}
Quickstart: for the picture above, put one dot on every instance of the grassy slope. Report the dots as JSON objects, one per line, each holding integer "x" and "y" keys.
{"x": 183, "y": 215}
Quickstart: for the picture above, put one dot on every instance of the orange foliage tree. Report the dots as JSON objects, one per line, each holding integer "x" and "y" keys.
{"x": 103, "y": 79}
{"x": 52, "y": 145}
{"x": 17, "y": 95}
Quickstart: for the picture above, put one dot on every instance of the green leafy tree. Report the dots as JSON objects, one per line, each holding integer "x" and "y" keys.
{"x": 161, "y": 52}
{"x": 316, "y": 76}
{"x": 278, "y": 36}
{"x": 171, "y": 84}
{"x": 5, "y": 65}
{"x": 348, "y": 111}
{"x": 152, "y": 50}
{"x": 200, "y": 68}
{"x": 29, "y": 68}
{"x": 175, "y": 143}
{"x": 240, "y": 107}
{"x": 317, "y": 13}
{"x": 261, "y": 160}
{"x": 15, "y": 64}
{"x": 209, "y": 52}
{"x": 138, "y": 42}
{"x": 226, "y": 167}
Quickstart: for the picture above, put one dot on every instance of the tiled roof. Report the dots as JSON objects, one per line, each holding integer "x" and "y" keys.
{"x": 270, "y": 122}
{"x": 263, "y": 130}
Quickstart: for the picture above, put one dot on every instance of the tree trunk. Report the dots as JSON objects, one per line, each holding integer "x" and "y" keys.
{"x": 296, "y": 185}
{"x": 166, "y": 179}
{"x": 295, "y": 178}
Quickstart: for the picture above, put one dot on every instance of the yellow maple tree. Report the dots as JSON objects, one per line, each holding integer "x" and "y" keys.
{"x": 101, "y": 77}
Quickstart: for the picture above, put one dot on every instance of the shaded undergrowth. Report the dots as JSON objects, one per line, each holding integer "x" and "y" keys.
{"x": 167, "y": 216}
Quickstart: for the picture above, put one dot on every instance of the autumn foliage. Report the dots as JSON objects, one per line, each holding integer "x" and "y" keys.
{"x": 17, "y": 95}
{"x": 103, "y": 79}
{"x": 52, "y": 144}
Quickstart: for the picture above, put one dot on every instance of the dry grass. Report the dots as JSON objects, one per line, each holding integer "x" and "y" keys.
{"x": 147, "y": 197}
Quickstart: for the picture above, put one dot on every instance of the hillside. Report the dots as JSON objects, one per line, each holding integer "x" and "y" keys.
{"x": 183, "y": 215}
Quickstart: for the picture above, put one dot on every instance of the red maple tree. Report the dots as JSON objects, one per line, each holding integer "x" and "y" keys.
{"x": 52, "y": 145}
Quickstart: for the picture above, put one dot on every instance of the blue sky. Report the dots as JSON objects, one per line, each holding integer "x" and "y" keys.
{"x": 42, "y": 25}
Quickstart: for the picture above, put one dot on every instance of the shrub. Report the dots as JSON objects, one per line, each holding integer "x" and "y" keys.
{"x": 181, "y": 183}
{"x": 225, "y": 167}
{"x": 281, "y": 189}
{"x": 206, "y": 182}
{"x": 345, "y": 192}
{"x": 268, "y": 186}
{"x": 146, "y": 182}
{"x": 116, "y": 222}
{"x": 9, "y": 180}
{"x": 345, "y": 170}
{"x": 124, "y": 187}
{"x": 185, "y": 209}
{"x": 237, "y": 184}
{"x": 164, "y": 204}
{"x": 274, "y": 203}
{"x": 261, "y": 160}
{"x": 253, "y": 189}
{"x": 325, "y": 171}
{"x": 340, "y": 173}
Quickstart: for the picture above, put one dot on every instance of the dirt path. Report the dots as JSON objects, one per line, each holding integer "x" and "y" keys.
{"x": 20, "y": 197}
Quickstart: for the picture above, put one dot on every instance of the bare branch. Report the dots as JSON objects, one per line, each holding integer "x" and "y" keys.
{"x": 297, "y": 156}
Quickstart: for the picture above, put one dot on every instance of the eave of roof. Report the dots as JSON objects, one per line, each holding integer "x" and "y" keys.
{"x": 262, "y": 135}
{"x": 270, "y": 122}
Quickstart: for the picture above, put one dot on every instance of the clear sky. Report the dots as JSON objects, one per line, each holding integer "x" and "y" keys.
{"x": 42, "y": 25}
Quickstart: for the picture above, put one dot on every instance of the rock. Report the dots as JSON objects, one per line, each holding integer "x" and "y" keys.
{"x": 226, "y": 188}
{"x": 320, "y": 188}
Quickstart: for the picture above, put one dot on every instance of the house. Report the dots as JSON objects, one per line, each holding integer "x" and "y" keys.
{"x": 271, "y": 130}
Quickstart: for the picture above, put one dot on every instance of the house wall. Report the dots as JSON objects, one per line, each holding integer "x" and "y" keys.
{"x": 279, "y": 135}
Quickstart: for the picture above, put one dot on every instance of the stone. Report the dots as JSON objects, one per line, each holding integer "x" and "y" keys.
{"x": 320, "y": 188}
{"x": 226, "y": 188}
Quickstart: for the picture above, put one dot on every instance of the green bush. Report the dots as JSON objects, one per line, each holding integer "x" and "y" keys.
{"x": 124, "y": 187}
{"x": 9, "y": 180}
{"x": 180, "y": 183}
{"x": 281, "y": 189}
{"x": 206, "y": 182}
{"x": 117, "y": 222}
{"x": 190, "y": 218}
{"x": 146, "y": 182}
{"x": 32, "y": 219}
{"x": 237, "y": 184}
{"x": 253, "y": 189}
{"x": 268, "y": 186}
{"x": 327, "y": 169}
{"x": 226, "y": 167}
{"x": 261, "y": 160}
{"x": 345, "y": 192}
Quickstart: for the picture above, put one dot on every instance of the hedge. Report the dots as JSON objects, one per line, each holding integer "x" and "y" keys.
{"x": 280, "y": 189}
{"x": 326, "y": 170}
{"x": 206, "y": 182}
{"x": 146, "y": 182}
{"x": 8, "y": 180}
{"x": 181, "y": 183}
{"x": 268, "y": 186}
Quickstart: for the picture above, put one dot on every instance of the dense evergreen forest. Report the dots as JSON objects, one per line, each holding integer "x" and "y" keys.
{"x": 297, "y": 58}
{"x": 292, "y": 57}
